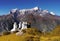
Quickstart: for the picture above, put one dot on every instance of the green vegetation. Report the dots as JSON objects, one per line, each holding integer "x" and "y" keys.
{"x": 5, "y": 33}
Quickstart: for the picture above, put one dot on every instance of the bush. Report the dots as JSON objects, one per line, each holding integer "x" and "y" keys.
{"x": 33, "y": 31}
{"x": 5, "y": 33}
{"x": 36, "y": 38}
{"x": 32, "y": 38}
{"x": 24, "y": 30}
{"x": 29, "y": 39}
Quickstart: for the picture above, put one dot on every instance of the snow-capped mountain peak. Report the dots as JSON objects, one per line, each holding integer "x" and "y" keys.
{"x": 52, "y": 13}
{"x": 41, "y": 12}
{"x": 45, "y": 11}
{"x": 35, "y": 8}
{"x": 13, "y": 10}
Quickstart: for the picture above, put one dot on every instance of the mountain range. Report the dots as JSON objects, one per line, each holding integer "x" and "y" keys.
{"x": 44, "y": 20}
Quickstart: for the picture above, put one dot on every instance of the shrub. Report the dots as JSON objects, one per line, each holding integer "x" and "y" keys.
{"x": 5, "y": 33}
{"x": 24, "y": 30}
{"x": 32, "y": 38}
{"x": 33, "y": 31}
{"x": 14, "y": 31}
{"x": 29, "y": 38}
{"x": 36, "y": 38}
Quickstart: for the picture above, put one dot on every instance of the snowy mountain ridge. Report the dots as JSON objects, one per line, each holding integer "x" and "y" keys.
{"x": 42, "y": 12}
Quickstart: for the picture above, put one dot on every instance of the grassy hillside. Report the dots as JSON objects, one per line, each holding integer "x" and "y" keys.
{"x": 32, "y": 34}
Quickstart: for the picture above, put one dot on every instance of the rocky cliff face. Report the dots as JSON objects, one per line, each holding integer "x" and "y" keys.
{"x": 44, "y": 20}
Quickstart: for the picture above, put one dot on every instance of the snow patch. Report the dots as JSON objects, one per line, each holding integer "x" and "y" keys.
{"x": 35, "y": 8}
{"x": 52, "y": 13}
{"x": 45, "y": 11}
{"x": 14, "y": 10}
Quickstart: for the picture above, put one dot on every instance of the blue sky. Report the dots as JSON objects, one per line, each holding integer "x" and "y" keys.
{"x": 51, "y": 5}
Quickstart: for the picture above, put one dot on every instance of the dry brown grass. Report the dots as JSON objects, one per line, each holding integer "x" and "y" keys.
{"x": 32, "y": 34}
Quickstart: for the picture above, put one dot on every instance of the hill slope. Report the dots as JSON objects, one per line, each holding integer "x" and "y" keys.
{"x": 33, "y": 35}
